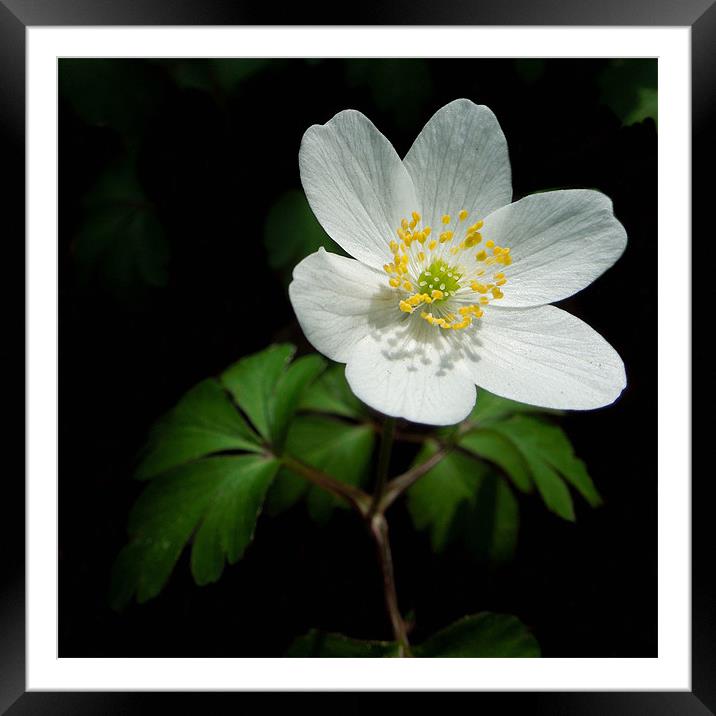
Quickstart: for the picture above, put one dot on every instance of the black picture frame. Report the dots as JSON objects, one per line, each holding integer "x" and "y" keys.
{"x": 17, "y": 15}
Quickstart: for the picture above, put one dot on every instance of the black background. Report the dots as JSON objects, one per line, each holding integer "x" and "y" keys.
{"x": 213, "y": 165}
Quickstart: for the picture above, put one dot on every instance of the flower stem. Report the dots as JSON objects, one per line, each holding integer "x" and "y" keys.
{"x": 386, "y": 445}
{"x": 355, "y": 497}
{"x": 396, "y": 487}
{"x": 379, "y": 531}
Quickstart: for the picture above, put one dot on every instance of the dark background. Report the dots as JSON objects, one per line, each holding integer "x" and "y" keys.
{"x": 213, "y": 147}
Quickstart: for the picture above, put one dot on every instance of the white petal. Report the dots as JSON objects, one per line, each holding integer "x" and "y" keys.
{"x": 560, "y": 241}
{"x": 460, "y": 161}
{"x": 420, "y": 381}
{"x": 356, "y": 185}
{"x": 544, "y": 356}
{"x": 338, "y": 301}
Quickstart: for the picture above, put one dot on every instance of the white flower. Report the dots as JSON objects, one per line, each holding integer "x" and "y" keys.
{"x": 451, "y": 280}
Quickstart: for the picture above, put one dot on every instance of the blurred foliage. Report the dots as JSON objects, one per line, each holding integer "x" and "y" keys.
{"x": 398, "y": 87}
{"x": 217, "y": 76}
{"x": 629, "y": 88}
{"x": 119, "y": 93}
{"x": 120, "y": 247}
{"x": 483, "y": 635}
{"x": 292, "y": 232}
{"x": 531, "y": 70}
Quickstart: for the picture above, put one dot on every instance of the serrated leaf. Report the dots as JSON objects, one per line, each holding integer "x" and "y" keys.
{"x": 496, "y": 448}
{"x": 342, "y": 450}
{"x": 320, "y": 644}
{"x": 120, "y": 245}
{"x": 483, "y": 635}
{"x": 490, "y": 407}
{"x": 332, "y": 394}
{"x": 229, "y": 522}
{"x": 219, "y": 495}
{"x": 252, "y": 382}
{"x": 551, "y": 487}
{"x": 461, "y": 498}
{"x": 550, "y": 457}
{"x": 203, "y": 422}
{"x": 292, "y": 232}
{"x": 552, "y": 444}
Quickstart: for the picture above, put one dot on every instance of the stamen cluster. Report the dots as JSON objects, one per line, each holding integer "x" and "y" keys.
{"x": 440, "y": 271}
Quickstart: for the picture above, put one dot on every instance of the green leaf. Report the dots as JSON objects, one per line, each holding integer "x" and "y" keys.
{"x": 497, "y": 449}
{"x": 221, "y": 496}
{"x": 268, "y": 390}
{"x": 462, "y": 498}
{"x": 542, "y": 442}
{"x": 203, "y": 422}
{"x": 288, "y": 392}
{"x": 552, "y": 489}
{"x": 549, "y": 485}
{"x": 332, "y": 394}
{"x": 197, "y": 489}
{"x": 340, "y": 449}
{"x": 490, "y": 407}
{"x": 490, "y": 522}
{"x": 121, "y": 245}
{"x": 229, "y": 523}
{"x": 292, "y": 232}
{"x": 483, "y": 635}
{"x": 320, "y": 644}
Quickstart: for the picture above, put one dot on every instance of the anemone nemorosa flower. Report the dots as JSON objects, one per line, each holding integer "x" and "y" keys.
{"x": 450, "y": 282}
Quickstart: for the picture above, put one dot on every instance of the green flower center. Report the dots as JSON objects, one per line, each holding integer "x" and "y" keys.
{"x": 439, "y": 276}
